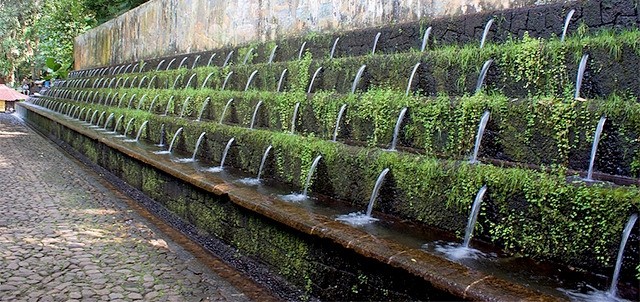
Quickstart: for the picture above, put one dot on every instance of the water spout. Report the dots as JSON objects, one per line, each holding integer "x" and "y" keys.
{"x": 195, "y": 151}
{"x": 184, "y": 106}
{"x": 476, "y": 148}
{"x": 315, "y": 74}
{"x": 175, "y": 82}
{"x": 253, "y": 74}
{"x": 301, "y": 50}
{"x": 255, "y": 113}
{"x": 396, "y": 130}
{"x": 204, "y": 84}
{"x": 109, "y": 118}
{"x": 204, "y": 106}
{"x": 482, "y": 75}
{"x": 281, "y": 80}
{"x": 151, "y": 82}
{"x": 294, "y": 118}
{"x": 256, "y": 181}
{"x": 126, "y": 129}
{"x": 566, "y": 24}
{"x": 169, "y": 104}
{"x": 162, "y": 134}
{"x": 195, "y": 62}
{"x": 141, "y": 101}
{"x": 247, "y": 56}
{"x": 118, "y": 121}
{"x": 473, "y": 216}
{"x": 264, "y": 159}
{"x": 311, "y": 170}
{"x": 375, "y": 43}
{"x": 226, "y": 60}
{"x": 580, "y": 75}
{"x": 356, "y": 80}
{"x": 425, "y": 39}
{"x": 170, "y": 62}
{"x": 485, "y": 32}
{"x": 413, "y": 73}
{"x": 141, "y": 81}
{"x": 333, "y": 48}
{"x": 226, "y": 79}
{"x": 211, "y": 59}
{"x": 142, "y": 127}
{"x": 376, "y": 189}
{"x": 273, "y": 54}
{"x": 173, "y": 140}
{"x": 159, "y": 64}
{"x": 153, "y": 102}
{"x": 613, "y": 290}
{"x": 182, "y": 62}
{"x": 189, "y": 81}
{"x": 224, "y": 157}
{"x": 340, "y": 113}
{"x": 224, "y": 111}
{"x": 131, "y": 101}
{"x": 594, "y": 148}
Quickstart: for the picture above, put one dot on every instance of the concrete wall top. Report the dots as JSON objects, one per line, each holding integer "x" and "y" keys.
{"x": 165, "y": 27}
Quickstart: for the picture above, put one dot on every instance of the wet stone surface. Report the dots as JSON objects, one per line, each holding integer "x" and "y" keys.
{"x": 66, "y": 237}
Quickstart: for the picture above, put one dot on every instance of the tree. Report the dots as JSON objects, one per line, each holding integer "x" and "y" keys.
{"x": 18, "y": 39}
{"x": 31, "y": 31}
{"x": 106, "y": 10}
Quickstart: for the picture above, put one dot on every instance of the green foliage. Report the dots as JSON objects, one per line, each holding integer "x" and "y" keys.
{"x": 56, "y": 70}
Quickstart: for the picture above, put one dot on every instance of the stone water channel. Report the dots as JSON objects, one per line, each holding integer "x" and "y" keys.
{"x": 66, "y": 234}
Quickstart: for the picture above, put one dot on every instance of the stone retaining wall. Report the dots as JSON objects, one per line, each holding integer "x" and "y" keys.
{"x": 164, "y": 27}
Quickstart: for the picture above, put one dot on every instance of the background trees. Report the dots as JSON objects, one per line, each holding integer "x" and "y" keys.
{"x": 33, "y": 30}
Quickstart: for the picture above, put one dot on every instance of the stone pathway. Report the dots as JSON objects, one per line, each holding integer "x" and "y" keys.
{"x": 65, "y": 237}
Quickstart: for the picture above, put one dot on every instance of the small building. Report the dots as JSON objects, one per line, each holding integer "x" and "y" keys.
{"x": 9, "y": 106}
{"x": 8, "y": 98}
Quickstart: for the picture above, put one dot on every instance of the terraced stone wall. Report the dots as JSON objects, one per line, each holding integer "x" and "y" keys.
{"x": 536, "y": 146}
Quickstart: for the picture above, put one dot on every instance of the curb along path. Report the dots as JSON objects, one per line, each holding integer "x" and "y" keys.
{"x": 64, "y": 236}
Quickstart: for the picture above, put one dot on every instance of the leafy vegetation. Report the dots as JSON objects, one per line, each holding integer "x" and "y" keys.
{"x": 32, "y": 31}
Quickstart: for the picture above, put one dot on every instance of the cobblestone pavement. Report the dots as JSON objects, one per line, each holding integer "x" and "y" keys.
{"x": 64, "y": 236}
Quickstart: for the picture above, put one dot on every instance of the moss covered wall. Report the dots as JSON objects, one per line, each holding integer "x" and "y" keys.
{"x": 320, "y": 267}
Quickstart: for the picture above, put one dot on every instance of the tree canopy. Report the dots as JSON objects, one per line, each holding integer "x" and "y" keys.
{"x": 33, "y": 30}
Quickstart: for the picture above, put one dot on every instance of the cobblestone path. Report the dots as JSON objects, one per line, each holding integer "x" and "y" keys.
{"x": 65, "y": 237}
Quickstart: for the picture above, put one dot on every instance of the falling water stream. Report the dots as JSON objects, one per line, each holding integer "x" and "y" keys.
{"x": 253, "y": 74}
{"x": 482, "y": 75}
{"x": 297, "y": 197}
{"x": 594, "y": 147}
{"x": 485, "y": 32}
{"x": 481, "y": 126}
{"x": 375, "y": 43}
{"x": 396, "y": 130}
{"x": 356, "y": 80}
{"x": 224, "y": 157}
{"x": 255, "y": 114}
{"x": 313, "y": 78}
{"x": 333, "y": 48}
{"x": 284, "y": 72}
{"x": 358, "y": 218}
{"x": 256, "y": 181}
{"x": 566, "y": 24}
{"x": 580, "y": 75}
{"x": 413, "y": 73}
{"x": 173, "y": 140}
{"x": 425, "y": 39}
{"x": 294, "y": 118}
{"x": 195, "y": 151}
{"x": 337, "y": 127}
